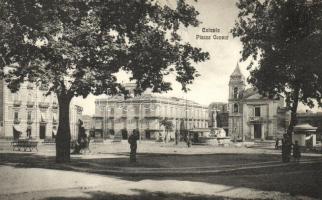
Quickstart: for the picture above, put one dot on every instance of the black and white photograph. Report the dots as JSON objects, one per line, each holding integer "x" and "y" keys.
{"x": 160, "y": 99}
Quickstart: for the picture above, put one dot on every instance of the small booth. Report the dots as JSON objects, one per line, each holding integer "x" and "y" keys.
{"x": 305, "y": 134}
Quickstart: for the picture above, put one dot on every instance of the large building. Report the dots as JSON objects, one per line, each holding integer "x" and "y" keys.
{"x": 252, "y": 116}
{"x": 145, "y": 113}
{"x": 30, "y": 111}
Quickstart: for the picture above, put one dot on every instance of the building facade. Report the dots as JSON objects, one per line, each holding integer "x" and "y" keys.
{"x": 30, "y": 111}
{"x": 145, "y": 113}
{"x": 251, "y": 115}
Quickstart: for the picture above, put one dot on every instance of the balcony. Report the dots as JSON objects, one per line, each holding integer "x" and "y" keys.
{"x": 55, "y": 122}
{"x": 16, "y": 103}
{"x": 43, "y": 104}
{"x": 16, "y": 121}
{"x": 29, "y": 121}
{"x": 30, "y": 104}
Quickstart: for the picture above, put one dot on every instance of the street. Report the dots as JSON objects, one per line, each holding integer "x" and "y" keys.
{"x": 163, "y": 171}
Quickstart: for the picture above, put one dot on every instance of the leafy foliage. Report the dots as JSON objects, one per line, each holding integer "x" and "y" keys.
{"x": 283, "y": 37}
{"x": 168, "y": 125}
{"x": 78, "y": 46}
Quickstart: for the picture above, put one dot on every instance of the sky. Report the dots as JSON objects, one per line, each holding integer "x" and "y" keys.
{"x": 212, "y": 85}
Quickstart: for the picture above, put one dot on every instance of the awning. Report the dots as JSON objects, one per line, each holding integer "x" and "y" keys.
{"x": 17, "y": 128}
{"x": 55, "y": 131}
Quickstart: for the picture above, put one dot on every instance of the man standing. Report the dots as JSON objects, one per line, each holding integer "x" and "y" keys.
{"x": 296, "y": 152}
{"x": 133, "y": 145}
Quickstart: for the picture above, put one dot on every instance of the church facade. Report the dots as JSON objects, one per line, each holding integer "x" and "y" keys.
{"x": 252, "y": 116}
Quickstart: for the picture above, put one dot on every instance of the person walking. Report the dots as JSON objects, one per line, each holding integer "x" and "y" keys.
{"x": 189, "y": 140}
{"x": 296, "y": 152}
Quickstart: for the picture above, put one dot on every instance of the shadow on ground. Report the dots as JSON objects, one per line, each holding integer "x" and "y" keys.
{"x": 142, "y": 195}
{"x": 303, "y": 179}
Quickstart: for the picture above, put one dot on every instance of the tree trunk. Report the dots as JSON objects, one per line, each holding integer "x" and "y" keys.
{"x": 63, "y": 133}
{"x": 293, "y": 114}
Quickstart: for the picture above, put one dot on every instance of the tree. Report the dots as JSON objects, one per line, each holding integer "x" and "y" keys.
{"x": 77, "y": 47}
{"x": 168, "y": 126}
{"x": 284, "y": 38}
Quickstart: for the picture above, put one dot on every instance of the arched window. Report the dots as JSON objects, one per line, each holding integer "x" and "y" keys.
{"x": 235, "y": 92}
{"x": 235, "y": 108}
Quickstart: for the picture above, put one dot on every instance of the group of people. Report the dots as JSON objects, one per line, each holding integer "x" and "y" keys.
{"x": 82, "y": 141}
{"x": 287, "y": 147}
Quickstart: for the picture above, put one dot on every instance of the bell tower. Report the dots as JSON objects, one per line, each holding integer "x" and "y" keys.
{"x": 236, "y": 84}
{"x": 236, "y": 87}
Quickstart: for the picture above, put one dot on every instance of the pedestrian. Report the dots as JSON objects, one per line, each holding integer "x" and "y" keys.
{"x": 81, "y": 139}
{"x": 277, "y": 143}
{"x": 133, "y": 145}
{"x": 189, "y": 140}
{"x": 296, "y": 152}
{"x": 176, "y": 137}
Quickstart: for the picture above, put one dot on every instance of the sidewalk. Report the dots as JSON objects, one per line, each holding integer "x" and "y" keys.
{"x": 34, "y": 183}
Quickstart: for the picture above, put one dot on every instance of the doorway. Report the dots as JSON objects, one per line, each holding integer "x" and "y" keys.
{"x": 42, "y": 131}
{"x": 257, "y": 131}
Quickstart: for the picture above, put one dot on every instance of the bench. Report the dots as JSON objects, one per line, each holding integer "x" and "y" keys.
{"x": 24, "y": 144}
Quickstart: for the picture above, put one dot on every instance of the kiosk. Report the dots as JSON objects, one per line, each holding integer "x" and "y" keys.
{"x": 305, "y": 134}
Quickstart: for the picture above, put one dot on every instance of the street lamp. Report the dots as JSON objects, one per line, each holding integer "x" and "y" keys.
{"x": 107, "y": 109}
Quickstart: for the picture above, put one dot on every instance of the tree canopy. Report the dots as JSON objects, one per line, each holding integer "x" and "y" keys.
{"x": 168, "y": 125}
{"x": 283, "y": 40}
{"x": 77, "y": 47}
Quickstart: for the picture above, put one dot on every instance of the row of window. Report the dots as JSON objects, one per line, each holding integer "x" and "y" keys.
{"x": 29, "y": 116}
{"x": 190, "y": 124}
{"x": 164, "y": 111}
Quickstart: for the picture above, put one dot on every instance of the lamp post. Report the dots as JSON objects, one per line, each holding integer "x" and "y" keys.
{"x": 36, "y": 105}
